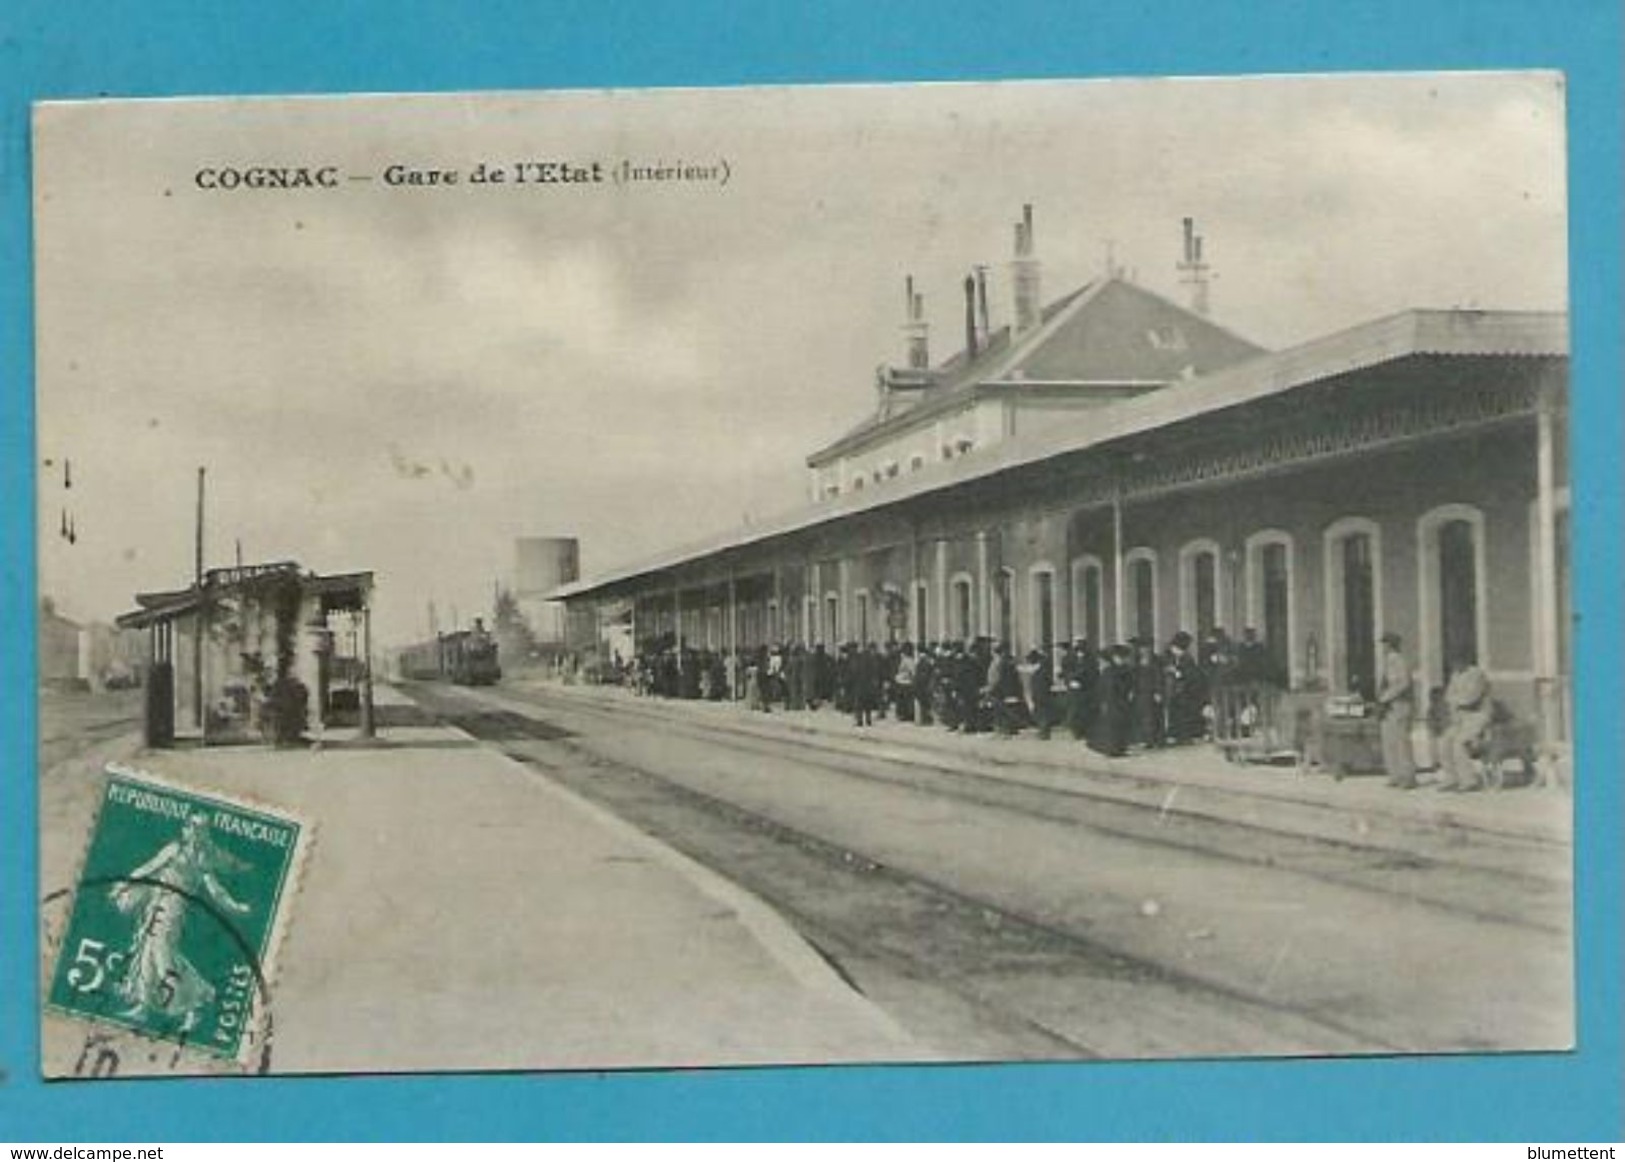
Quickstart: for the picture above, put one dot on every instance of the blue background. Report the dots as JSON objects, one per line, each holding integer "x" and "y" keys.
{"x": 72, "y": 49}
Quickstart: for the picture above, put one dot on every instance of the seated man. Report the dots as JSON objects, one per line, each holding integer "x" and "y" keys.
{"x": 1467, "y": 699}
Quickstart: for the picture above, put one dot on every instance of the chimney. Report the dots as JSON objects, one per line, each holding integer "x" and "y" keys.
{"x": 971, "y": 347}
{"x": 914, "y": 327}
{"x": 1024, "y": 273}
{"x": 1196, "y": 271}
{"x": 984, "y": 329}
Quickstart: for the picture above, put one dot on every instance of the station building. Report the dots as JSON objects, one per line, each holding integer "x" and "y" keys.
{"x": 216, "y": 648}
{"x": 1112, "y": 465}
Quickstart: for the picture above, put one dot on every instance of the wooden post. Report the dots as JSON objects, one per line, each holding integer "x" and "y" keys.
{"x": 942, "y": 589}
{"x": 369, "y": 727}
{"x": 984, "y": 609}
{"x": 1117, "y": 565}
{"x": 200, "y": 720}
{"x": 1546, "y": 676}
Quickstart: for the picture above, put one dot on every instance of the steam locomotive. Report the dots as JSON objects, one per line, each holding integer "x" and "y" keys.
{"x": 467, "y": 657}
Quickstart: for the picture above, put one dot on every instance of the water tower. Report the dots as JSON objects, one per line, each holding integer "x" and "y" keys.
{"x": 543, "y": 564}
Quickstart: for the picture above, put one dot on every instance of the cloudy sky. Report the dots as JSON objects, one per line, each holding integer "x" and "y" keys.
{"x": 406, "y": 379}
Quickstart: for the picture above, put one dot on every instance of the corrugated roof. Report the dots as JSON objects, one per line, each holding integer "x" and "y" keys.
{"x": 1409, "y": 333}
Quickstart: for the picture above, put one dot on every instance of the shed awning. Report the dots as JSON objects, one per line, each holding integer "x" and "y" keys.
{"x": 339, "y": 592}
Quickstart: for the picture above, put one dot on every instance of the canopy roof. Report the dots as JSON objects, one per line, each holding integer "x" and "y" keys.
{"x": 338, "y": 591}
{"x": 1462, "y": 333}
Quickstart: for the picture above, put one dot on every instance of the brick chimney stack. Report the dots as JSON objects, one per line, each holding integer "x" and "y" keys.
{"x": 1024, "y": 275}
{"x": 914, "y": 327}
{"x": 972, "y": 339}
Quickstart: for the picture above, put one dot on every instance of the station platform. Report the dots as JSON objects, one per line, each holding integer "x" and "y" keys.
{"x": 1192, "y": 780}
{"x": 460, "y": 912}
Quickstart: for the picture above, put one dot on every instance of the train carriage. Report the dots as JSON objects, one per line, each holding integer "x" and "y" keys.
{"x": 467, "y": 657}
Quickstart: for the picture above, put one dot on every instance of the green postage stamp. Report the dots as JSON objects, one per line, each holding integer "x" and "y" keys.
{"x": 176, "y": 915}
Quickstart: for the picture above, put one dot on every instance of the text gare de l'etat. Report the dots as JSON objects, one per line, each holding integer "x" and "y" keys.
{"x": 399, "y": 175}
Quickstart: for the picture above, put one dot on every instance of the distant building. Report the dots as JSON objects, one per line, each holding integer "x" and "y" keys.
{"x": 59, "y": 647}
{"x": 110, "y": 656}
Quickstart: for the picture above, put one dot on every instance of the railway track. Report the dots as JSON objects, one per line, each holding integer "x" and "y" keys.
{"x": 1519, "y": 883}
{"x": 1028, "y": 986}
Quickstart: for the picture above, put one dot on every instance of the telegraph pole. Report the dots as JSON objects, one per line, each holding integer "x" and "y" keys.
{"x": 200, "y": 619}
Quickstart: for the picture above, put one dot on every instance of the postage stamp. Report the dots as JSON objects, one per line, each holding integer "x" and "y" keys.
{"x": 177, "y": 914}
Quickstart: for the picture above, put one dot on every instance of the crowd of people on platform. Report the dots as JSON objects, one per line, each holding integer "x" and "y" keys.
{"x": 1116, "y": 698}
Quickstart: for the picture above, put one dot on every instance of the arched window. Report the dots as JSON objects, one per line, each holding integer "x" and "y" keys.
{"x": 1451, "y": 601}
{"x": 1271, "y": 608}
{"x": 1089, "y": 599}
{"x": 1004, "y": 606}
{"x": 1140, "y": 566}
{"x": 891, "y": 613}
{"x": 1041, "y": 606}
{"x": 1353, "y": 571}
{"x": 963, "y": 609}
{"x": 1202, "y": 599}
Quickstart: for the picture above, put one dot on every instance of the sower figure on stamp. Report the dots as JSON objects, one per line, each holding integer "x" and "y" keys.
{"x": 1396, "y": 703}
{"x": 161, "y": 980}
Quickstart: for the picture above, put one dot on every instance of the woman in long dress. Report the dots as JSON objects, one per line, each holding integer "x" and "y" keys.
{"x": 159, "y": 979}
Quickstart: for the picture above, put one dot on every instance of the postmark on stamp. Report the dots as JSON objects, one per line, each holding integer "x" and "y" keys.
{"x": 176, "y": 916}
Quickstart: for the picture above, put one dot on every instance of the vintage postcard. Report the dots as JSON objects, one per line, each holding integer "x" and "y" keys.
{"x": 955, "y": 572}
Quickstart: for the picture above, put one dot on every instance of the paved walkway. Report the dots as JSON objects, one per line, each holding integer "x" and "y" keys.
{"x": 459, "y": 911}
{"x": 1191, "y": 779}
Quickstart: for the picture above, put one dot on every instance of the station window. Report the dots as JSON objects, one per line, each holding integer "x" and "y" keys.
{"x": 963, "y": 625}
{"x": 1142, "y": 593}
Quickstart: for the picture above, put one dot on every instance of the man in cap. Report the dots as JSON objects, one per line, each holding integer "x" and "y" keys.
{"x": 1039, "y": 685}
{"x": 1079, "y": 672}
{"x": 1396, "y": 704}
{"x": 1184, "y": 691}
